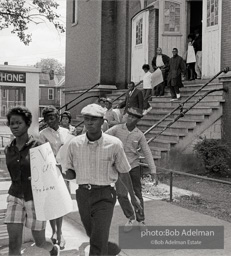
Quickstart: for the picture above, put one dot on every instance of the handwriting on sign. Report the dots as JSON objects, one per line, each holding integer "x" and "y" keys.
{"x": 43, "y": 189}
{"x": 47, "y": 184}
{"x": 44, "y": 164}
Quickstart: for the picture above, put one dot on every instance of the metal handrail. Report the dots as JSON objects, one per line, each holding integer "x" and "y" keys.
{"x": 65, "y": 106}
{"x": 92, "y": 96}
{"x": 112, "y": 102}
{"x": 183, "y": 112}
{"x": 186, "y": 174}
{"x": 181, "y": 105}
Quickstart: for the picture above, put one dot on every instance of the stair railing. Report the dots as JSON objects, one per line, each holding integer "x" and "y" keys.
{"x": 86, "y": 91}
{"x": 120, "y": 96}
{"x": 181, "y": 106}
{"x": 67, "y": 104}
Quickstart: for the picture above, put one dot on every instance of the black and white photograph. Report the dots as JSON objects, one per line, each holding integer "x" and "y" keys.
{"x": 115, "y": 128}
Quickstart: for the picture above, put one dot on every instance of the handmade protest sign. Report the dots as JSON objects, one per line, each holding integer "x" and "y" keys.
{"x": 156, "y": 78}
{"x": 51, "y": 197}
{"x": 191, "y": 57}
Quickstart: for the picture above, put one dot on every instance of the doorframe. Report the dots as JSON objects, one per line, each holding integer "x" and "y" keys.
{"x": 131, "y": 36}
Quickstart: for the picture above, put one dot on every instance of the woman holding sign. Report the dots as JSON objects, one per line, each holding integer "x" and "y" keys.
{"x": 20, "y": 207}
{"x": 56, "y": 136}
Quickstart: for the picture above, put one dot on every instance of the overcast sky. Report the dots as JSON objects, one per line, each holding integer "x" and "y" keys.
{"x": 46, "y": 43}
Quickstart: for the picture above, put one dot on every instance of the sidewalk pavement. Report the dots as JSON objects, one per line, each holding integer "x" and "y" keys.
{"x": 158, "y": 213}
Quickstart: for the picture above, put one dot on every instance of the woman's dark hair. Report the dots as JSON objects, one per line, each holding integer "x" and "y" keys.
{"x": 191, "y": 36}
{"x": 20, "y": 111}
{"x": 67, "y": 114}
{"x": 146, "y": 66}
{"x": 50, "y": 110}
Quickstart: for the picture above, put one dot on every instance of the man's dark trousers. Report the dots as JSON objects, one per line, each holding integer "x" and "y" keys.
{"x": 174, "y": 90}
{"x": 122, "y": 194}
{"x": 96, "y": 210}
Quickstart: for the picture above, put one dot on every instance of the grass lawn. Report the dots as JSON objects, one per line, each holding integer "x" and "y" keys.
{"x": 214, "y": 199}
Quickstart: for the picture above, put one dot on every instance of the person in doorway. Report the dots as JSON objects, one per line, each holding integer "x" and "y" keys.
{"x": 20, "y": 205}
{"x": 95, "y": 159}
{"x": 65, "y": 122}
{"x": 147, "y": 86}
{"x": 197, "y": 44}
{"x": 190, "y": 59}
{"x": 133, "y": 139}
{"x": 160, "y": 61}
{"x": 55, "y": 135}
{"x": 177, "y": 68}
{"x": 110, "y": 116}
{"x": 134, "y": 98}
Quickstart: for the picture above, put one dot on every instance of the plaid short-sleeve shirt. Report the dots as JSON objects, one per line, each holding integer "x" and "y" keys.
{"x": 97, "y": 162}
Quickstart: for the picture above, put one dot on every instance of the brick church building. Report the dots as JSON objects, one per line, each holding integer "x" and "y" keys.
{"x": 108, "y": 41}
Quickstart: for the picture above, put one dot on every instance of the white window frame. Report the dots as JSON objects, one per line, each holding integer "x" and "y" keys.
{"x": 139, "y": 31}
{"x": 74, "y": 12}
{"x": 52, "y": 94}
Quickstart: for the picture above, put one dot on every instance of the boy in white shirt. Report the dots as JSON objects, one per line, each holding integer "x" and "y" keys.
{"x": 147, "y": 86}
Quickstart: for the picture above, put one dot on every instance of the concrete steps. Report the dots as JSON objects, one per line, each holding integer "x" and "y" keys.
{"x": 185, "y": 127}
{"x": 3, "y": 230}
{"x": 195, "y": 110}
{"x": 211, "y": 104}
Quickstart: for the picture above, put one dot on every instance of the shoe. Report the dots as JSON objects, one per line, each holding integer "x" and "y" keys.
{"x": 147, "y": 110}
{"x": 55, "y": 251}
{"x": 142, "y": 226}
{"x": 54, "y": 238}
{"x": 174, "y": 99}
{"x": 129, "y": 225}
{"x": 62, "y": 243}
{"x": 144, "y": 112}
{"x": 178, "y": 96}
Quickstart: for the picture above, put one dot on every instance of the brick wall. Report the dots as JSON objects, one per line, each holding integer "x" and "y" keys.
{"x": 83, "y": 45}
{"x": 108, "y": 57}
{"x": 122, "y": 35}
{"x": 226, "y": 34}
{"x": 226, "y": 117}
{"x": 151, "y": 38}
{"x": 153, "y": 34}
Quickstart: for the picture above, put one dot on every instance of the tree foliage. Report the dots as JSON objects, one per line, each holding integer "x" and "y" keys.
{"x": 51, "y": 64}
{"x": 18, "y": 14}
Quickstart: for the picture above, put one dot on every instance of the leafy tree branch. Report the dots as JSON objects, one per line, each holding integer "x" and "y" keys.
{"x": 18, "y": 14}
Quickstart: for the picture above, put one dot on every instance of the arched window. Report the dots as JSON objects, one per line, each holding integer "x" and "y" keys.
{"x": 139, "y": 31}
{"x": 74, "y": 12}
